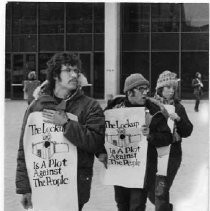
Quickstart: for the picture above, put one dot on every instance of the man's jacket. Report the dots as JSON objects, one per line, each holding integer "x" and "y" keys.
{"x": 87, "y": 135}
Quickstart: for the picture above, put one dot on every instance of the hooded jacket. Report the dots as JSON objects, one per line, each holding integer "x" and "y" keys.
{"x": 87, "y": 135}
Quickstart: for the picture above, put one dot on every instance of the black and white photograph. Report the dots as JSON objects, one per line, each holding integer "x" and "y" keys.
{"x": 105, "y": 105}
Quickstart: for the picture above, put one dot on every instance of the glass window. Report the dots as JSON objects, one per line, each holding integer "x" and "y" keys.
{"x": 79, "y": 42}
{"x": 99, "y": 42}
{"x": 135, "y": 17}
{"x": 30, "y": 64}
{"x": 85, "y": 59}
{"x": 134, "y": 63}
{"x": 195, "y": 41}
{"x": 18, "y": 69}
{"x": 165, "y": 17}
{"x": 79, "y": 17}
{"x": 98, "y": 17}
{"x": 51, "y": 43}
{"x": 7, "y": 75}
{"x": 8, "y": 17}
{"x": 24, "y": 43}
{"x": 195, "y": 17}
{"x": 51, "y": 18}
{"x": 161, "y": 62}
{"x": 8, "y": 43}
{"x": 191, "y": 63}
{"x": 165, "y": 41}
{"x": 24, "y": 18}
{"x": 17, "y": 92}
{"x": 98, "y": 75}
{"x": 43, "y": 59}
{"x": 135, "y": 42}
{"x": 86, "y": 70}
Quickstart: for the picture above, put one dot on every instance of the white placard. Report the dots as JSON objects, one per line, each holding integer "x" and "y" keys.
{"x": 126, "y": 147}
{"x": 51, "y": 162}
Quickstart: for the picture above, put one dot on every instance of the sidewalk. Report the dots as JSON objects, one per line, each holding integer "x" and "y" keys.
{"x": 188, "y": 193}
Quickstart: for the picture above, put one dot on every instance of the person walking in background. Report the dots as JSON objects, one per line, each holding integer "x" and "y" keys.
{"x": 197, "y": 90}
{"x": 158, "y": 134}
{"x": 62, "y": 130}
{"x": 29, "y": 86}
{"x": 159, "y": 186}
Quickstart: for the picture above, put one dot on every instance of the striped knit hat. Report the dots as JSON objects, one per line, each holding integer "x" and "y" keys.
{"x": 134, "y": 80}
{"x": 167, "y": 78}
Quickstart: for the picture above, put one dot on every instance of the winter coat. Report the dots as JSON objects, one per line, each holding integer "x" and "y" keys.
{"x": 87, "y": 135}
{"x": 183, "y": 128}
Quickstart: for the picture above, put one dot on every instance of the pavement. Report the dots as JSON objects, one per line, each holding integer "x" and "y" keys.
{"x": 188, "y": 193}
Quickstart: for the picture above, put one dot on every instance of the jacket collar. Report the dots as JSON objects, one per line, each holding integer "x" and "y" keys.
{"x": 45, "y": 96}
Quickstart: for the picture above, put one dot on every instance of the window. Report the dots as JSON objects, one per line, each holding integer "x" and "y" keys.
{"x": 99, "y": 42}
{"x": 195, "y": 41}
{"x": 99, "y": 75}
{"x": 98, "y": 17}
{"x": 43, "y": 59}
{"x": 135, "y": 42}
{"x": 79, "y": 17}
{"x": 165, "y": 41}
{"x": 7, "y": 75}
{"x": 51, "y": 18}
{"x": 51, "y": 42}
{"x": 79, "y": 42}
{"x": 195, "y": 17}
{"x": 135, "y": 17}
{"x": 165, "y": 17}
{"x": 24, "y": 43}
{"x": 24, "y": 18}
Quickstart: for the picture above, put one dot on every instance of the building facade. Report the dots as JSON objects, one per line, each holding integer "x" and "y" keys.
{"x": 113, "y": 40}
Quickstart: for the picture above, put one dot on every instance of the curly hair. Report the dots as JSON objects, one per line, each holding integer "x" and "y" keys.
{"x": 55, "y": 63}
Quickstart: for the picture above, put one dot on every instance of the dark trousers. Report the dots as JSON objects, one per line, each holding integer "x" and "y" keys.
{"x": 159, "y": 187}
{"x": 197, "y": 101}
{"x": 80, "y": 207}
{"x": 130, "y": 199}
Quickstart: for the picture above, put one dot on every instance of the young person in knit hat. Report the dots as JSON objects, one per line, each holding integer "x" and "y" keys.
{"x": 159, "y": 186}
{"x": 136, "y": 88}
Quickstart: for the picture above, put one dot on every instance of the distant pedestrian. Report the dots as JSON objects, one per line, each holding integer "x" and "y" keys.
{"x": 29, "y": 86}
{"x": 197, "y": 86}
{"x": 158, "y": 185}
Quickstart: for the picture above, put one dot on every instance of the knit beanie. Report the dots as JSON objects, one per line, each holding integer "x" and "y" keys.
{"x": 167, "y": 78}
{"x": 134, "y": 80}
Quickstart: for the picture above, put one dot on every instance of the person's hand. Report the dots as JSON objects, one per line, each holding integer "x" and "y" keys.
{"x": 174, "y": 116}
{"x": 26, "y": 201}
{"x": 55, "y": 117}
{"x": 145, "y": 130}
{"x": 103, "y": 158}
